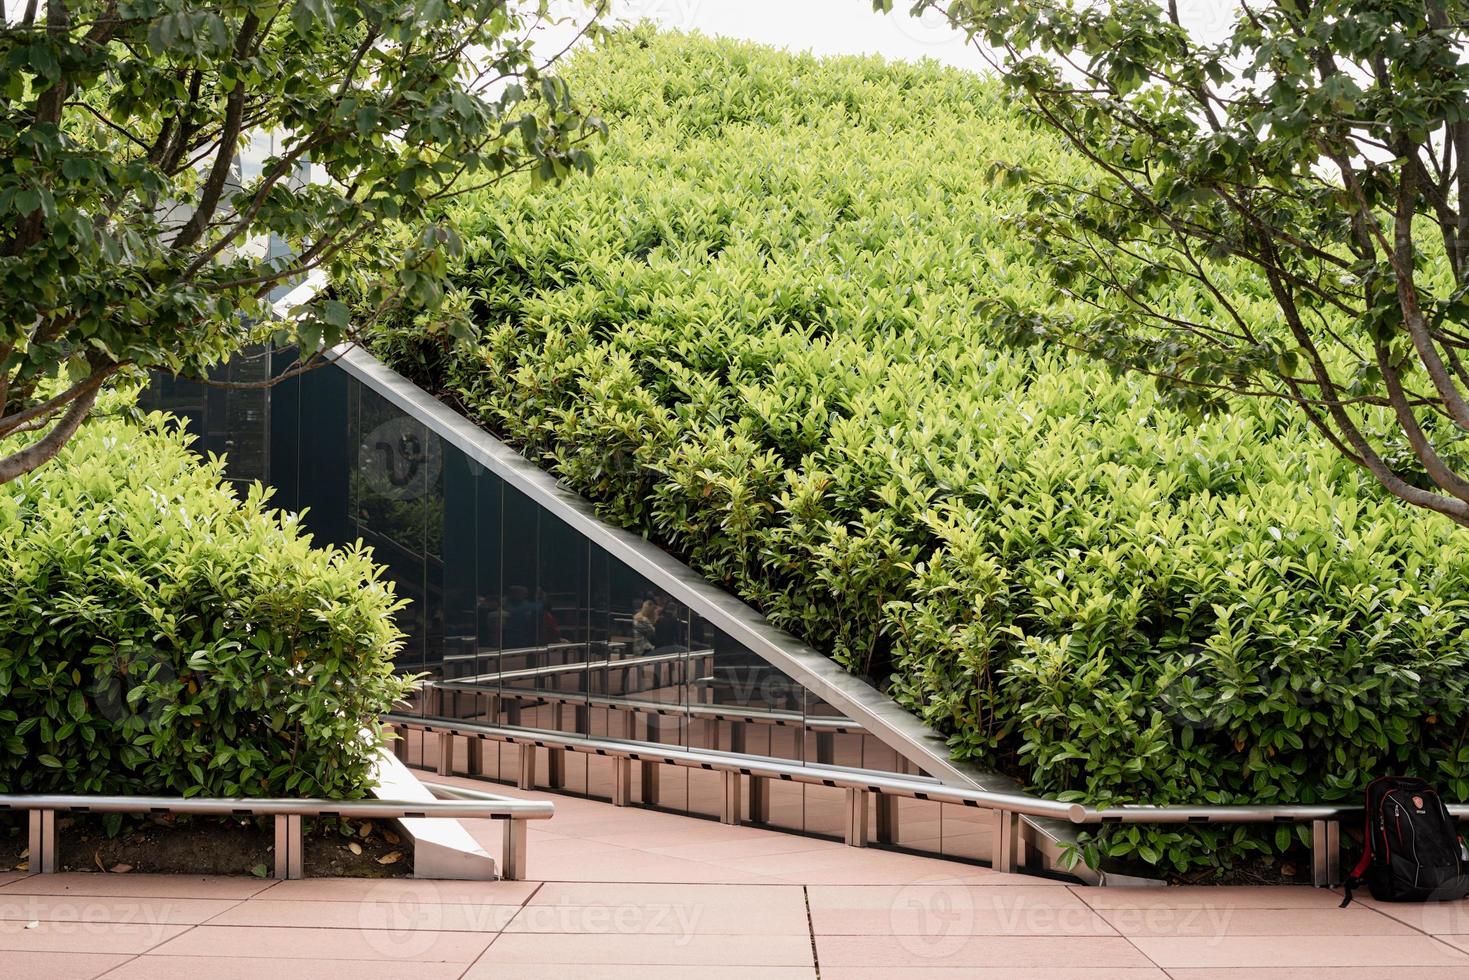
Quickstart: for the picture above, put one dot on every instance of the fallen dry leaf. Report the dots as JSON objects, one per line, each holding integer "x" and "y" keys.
{"x": 23, "y": 866}
{"x": 97, "y": 860}
{"x": 391, "y": 837}
{"x": 25, "y": 854}
{"x": 364, "y": 829}
{"x": 121, "y": 869}
{"x": 35, "y": 924}
{"x": 392, "y": 857}
{"x": 355, "y": 847}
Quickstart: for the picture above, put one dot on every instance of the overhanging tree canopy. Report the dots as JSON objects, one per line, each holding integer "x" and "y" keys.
{"x": 128, "y": 239}
{"x": 1316, "y": 154}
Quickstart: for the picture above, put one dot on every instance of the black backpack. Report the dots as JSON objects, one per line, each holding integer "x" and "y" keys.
{"x": 1411, "y": 851}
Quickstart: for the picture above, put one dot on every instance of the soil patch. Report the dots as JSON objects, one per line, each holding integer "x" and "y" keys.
{"x": 1295, "y": 869}
{"x": 165, "y": 844}
{"x": 14, "y": 839}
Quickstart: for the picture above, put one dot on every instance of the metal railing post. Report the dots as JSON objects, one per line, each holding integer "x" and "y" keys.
{"x": 729, "y": 811}
{"x": 856, "y": 822}
{"x": 475, "y": 756}
{"x": 446, "y": 753}
{"x": 648, "y": 778}
{"x": 759, "y": 809}
{"x": 621, "y": 781}
{"x": 513, "y": 852}
{"x": 887, "y": 819}
{"x": 1326, "y": 853}
{"x": 525, "y": 776}
{"x": 825, "y": 748}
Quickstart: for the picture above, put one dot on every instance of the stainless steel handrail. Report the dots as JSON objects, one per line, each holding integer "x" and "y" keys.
{"x": 823, "y": 724}
{"x": 289, "y": 840}
{"x": 1006, "y": 808}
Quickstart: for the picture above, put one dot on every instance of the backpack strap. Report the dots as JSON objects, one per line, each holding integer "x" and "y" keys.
{"x": 1359, "y": 873}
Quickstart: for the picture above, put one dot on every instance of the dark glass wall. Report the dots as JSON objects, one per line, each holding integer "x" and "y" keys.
{"x": 513, "y": 617}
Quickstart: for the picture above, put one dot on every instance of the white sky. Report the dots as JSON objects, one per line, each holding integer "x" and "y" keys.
{"x": 851, "y": 26}
{"x": 819, "y": 26}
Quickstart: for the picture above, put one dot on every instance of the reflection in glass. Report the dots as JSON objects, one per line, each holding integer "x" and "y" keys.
{"x": 739, "y": 702}
{"x": 638, "y": 661}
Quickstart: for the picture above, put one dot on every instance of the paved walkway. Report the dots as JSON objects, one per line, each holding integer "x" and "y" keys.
{"x": 633, "y": 893}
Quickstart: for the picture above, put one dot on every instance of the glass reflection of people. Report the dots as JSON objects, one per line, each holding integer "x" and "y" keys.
{"x": 644, "y": 627}
{"x": 521, "y": 617}
{"x": 668, "y": 627}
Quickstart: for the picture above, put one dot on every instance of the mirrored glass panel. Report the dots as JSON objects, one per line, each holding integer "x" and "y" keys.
{"x": 738, "y": 702}
{"x": 638, "y": 657}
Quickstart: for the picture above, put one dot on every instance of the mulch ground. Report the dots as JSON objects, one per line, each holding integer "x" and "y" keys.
{"x": 165, "y": 844}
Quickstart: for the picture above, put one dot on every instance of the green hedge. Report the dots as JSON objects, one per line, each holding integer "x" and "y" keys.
{"x": 752, "y": 336}
{"x": 159, "y": 635}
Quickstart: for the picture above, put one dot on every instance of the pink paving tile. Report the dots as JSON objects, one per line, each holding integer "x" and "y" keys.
{"x": 673, "y": 918}
{"x": 561, "y": 971}
{"x": 939, "y": 891}
{"x": 137, "y": 886}
{"x": 872, "y": 867}
{"x": 402, "y": 889}
{"x": 395, "y": 914}
{"x": 600, "y": 893}
{"x": 6, "y": 877}
{"x": 327, "y": 944}
{"x": 1075, "y": 972}
{"x": 952, "y": 950}
{"x": 938, "y": 912}
{"x": 1317, "y": 973}
{"x": 1218, "y": 896}
{"x": 1211, "y": 922}
{"x": 735, "y": 850}
{"x": 513, "y": 950}
{"x": 83, "y": 937}
{"x": 247, "y": 968}
{"x": 92, "y": 908}
{"x": 1400, "y": 953}
{"x": 696, "y": 832}
{"x": 59, "y": 966}
{"x": 1437, "y": 918}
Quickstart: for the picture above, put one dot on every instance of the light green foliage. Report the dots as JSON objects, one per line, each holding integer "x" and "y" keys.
{"x": 1320, "y": 147}
{"x": 752, "y": 336}
{"x": 158, "y": 635}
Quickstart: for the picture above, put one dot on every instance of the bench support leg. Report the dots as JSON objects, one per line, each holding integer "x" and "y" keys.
{"x": 289, "y": 842}
{"x": 512, "y": 858}
{"x": 1004, "y": 841}
{"x": 43, "y": 841}
{"x": 1326, "y": 853}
